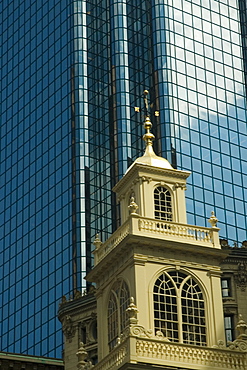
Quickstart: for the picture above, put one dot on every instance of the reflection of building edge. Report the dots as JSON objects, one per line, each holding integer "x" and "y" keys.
{"x": 173, "y": 271}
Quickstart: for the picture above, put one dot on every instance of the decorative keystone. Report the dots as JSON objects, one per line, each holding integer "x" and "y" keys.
{"x": 213, "y": 220}
{"x": 133, "y": 206}
{"x": 132, "y": 312}
{"x": 97, "y": 242}
{"x": 242, "y": 326}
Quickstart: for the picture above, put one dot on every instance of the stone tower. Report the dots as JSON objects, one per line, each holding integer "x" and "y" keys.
{"x": 158, "y": 279}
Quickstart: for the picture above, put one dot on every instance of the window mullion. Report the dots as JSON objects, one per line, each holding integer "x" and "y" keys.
{"x": 180, "y": 322}
{"x": 119, "y": 316}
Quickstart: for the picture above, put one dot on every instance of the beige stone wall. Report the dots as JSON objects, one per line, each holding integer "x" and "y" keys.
{"x": 79, "y": 322}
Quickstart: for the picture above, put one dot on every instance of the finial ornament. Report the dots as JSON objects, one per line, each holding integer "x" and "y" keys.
{"x": 213, "y": 220}
{"x": 132, "y": 206}
{"x": 82, "y": 355}
{"x": 242, "y": 326}
{"x": 97, "y": 242}
{"x": 132, "y": 311}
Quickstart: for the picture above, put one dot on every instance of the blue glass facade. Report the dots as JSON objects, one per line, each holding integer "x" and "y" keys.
{"x": 72, "y": 73}
{"x": 36, "y": 173}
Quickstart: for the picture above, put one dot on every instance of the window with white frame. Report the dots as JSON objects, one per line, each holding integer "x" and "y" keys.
{"x": 226, "y": 287}
{"x": 162, "y": 204}
{"x": 117, "y": 316}
{"x": 229, "y": 327}
{"x": 179, "y": 309}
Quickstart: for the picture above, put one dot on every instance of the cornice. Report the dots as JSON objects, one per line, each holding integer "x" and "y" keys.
{"x": 182, "y": 263}
{"x": 150, "y": 172}
{"x": 75, "y": 305}
{"x": 235, "y": 255}
{"x": 134, "y": 243}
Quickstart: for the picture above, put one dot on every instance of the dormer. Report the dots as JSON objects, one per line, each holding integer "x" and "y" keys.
{"x": 157, "y": 188}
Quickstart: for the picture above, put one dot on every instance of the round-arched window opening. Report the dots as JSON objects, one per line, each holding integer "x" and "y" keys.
{"x": 162, "y": 204}
{"x": 179, "y": 308}
{"x": 119, "y": 301}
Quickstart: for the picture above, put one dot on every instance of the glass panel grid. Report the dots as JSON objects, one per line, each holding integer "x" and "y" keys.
{"x": 35, "y": 177}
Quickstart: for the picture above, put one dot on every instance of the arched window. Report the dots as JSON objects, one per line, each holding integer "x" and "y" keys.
{"x": 179, "y": 311}
{"x": 162, "y": 204}
{"x": 117, "y": 316}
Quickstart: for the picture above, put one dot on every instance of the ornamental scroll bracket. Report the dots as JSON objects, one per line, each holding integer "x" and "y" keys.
{"x": 142, "y": 179}
{"x": 180, "y": 185}
{"x": 238, "y": 345}
{"x": 241, "y": 276}
{"x": 135, "y": 330}
{"x": 68, "y": 328}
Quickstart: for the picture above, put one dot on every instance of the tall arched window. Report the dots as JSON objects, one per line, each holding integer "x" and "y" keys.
{"x": 117, "y": 316}
{"x": 162, "y": 204}
{"x": 179, "y": 311}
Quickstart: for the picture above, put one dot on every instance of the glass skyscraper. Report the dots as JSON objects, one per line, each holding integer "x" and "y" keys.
{"x": 71, "y": 74}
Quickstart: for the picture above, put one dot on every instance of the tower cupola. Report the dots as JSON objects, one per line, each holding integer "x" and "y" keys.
{"x": 157, "y": 188}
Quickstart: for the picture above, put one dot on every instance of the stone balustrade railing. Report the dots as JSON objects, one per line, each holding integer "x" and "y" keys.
{"x": 148, "y": 227}
{"x": 112, "y": 242}
{"x": 161, "y": 353}
{"x": 191, "y": 357}
{"x": 115, "y": 359}
{"x": 182, "y": 231}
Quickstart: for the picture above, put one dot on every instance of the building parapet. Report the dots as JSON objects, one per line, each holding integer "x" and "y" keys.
{"x": 154, "y": 228}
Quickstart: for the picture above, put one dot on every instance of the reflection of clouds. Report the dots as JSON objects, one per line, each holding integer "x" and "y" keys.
{"x": 210, "y": 54}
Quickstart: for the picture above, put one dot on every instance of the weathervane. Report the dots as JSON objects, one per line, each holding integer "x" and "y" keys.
{"x": 148, "y": 137}
{"x": 145, "y": 93}
{"x": 146, "y": 106}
